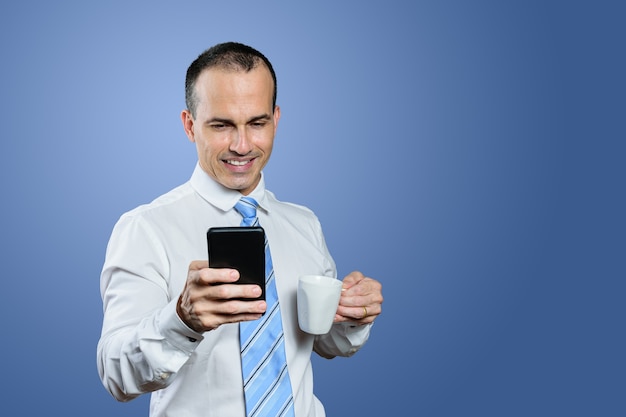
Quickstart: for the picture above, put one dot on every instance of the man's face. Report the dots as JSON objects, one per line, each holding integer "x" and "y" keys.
{"x": 234, "y": 126}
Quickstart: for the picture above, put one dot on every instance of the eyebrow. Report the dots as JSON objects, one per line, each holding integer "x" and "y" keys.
{"x": 231, "y": 122}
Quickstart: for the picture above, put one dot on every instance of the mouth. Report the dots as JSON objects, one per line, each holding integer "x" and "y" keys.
{"x": 239, "y": 165}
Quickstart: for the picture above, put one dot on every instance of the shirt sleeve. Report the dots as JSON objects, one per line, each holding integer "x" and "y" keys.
{"x": 344, "y": 339}
{"x": 143, "y": 342}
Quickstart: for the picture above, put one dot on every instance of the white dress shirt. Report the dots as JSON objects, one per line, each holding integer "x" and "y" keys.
{"x": 145, "y": 347}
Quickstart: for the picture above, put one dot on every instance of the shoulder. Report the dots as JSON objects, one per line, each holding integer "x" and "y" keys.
{"x": 289, "y": 210}
{"x": 294, "y": 219}
{"x": 162, "y": 206}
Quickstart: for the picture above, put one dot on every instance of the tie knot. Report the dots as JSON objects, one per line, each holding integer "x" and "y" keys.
{"x": 246, "y": 206}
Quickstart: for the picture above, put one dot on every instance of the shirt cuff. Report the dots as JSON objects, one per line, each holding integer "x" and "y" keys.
{"x": 176, "y": 331}
{"x": 344, "y": 339}
{"x": 352, "y": 336}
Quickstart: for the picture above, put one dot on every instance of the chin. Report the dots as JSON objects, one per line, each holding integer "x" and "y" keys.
{"x": 242, "y": 186}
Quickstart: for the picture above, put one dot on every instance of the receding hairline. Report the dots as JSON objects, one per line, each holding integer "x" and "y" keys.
{"x": 198, "y": 90}
{"x": 228, "y": 57}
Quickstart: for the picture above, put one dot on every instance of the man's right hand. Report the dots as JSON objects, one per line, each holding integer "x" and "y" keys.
{"x": 203, "y": 305}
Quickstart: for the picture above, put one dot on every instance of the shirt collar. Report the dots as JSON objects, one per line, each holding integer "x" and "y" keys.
{"x": 222, "y": 197}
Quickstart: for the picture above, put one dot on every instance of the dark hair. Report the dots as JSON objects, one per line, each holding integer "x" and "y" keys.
{"x": 231, "y": 56}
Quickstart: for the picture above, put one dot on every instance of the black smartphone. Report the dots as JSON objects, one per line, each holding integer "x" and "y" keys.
{"x": 241, "y": 248}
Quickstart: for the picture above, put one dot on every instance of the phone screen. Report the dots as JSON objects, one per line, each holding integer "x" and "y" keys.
{"x": 240, "y": 248}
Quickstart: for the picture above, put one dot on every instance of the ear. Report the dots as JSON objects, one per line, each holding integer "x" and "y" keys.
{"x": 276, "y": 117}
{"x": 188, "y": 124}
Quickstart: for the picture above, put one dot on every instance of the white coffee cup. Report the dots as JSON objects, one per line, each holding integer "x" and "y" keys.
{"x": 318, "y": 298}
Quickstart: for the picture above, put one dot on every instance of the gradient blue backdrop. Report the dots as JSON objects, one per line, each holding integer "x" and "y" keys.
{"x": 500, "y": 123}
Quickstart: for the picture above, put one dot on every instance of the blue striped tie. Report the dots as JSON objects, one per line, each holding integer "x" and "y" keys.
{"x": 265, "y": 378}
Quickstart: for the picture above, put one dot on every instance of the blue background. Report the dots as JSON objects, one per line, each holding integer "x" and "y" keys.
{"x": 500, "y": 123}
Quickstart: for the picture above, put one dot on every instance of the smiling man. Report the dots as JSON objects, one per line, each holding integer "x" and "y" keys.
{"x": 169, "y": 329}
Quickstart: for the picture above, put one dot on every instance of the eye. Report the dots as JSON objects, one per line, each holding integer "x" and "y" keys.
{"x": 218, "y": 126}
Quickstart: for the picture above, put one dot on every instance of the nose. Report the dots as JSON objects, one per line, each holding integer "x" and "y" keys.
{"x": 240, "y": 142}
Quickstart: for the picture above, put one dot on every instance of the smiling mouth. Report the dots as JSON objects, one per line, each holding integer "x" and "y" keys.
{"x": 238, "y": 163}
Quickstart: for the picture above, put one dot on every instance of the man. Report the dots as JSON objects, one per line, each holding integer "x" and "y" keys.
{"x": 168, "y": 328}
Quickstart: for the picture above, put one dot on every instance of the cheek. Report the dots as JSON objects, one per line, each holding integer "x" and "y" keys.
{"x": 209, "y": 146}
{"x": 201, "y": 146}
{"x": 266, "y": 143}
{"x": 269, "y": 148}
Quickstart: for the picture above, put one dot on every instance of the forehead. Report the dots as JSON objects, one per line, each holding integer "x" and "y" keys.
{"x": 218, "y": 85}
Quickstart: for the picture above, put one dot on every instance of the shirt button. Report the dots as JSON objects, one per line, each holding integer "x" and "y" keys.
{"x": 192, "y": 340}
{"x": 164, "y": 375}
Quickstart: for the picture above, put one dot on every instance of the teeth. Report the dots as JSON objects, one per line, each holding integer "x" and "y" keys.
{"x": 237, "y": 163}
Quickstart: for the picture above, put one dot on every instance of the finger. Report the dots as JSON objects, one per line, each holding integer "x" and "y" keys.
{"x": 239, "y": 310}
{"x": 360, "y": 312}
{"x": 227, "y": 292}
{"x": 212, "y": 276}
{"x": 354, "y": 312}
{"x": 198, "y": 265}
{"x": 352, "y": 279}
{"x": 223, "y": 313}
{"x": 367, "y": 291}
{"x": 215, "y": 308}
